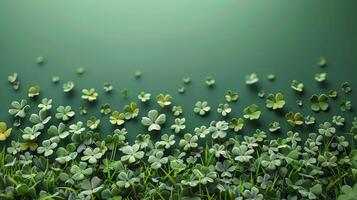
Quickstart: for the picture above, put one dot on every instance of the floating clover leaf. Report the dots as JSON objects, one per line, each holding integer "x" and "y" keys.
{"x": 90, "y": 95}
{"x": 181, "y": 89}
{"x": 348, "y": 193}
{"x": 179, "y": 125}
{"x": 40, "y": 60}
{"x": 319, "y": 102}
{"x": 275, "y": 126}
{"x": 310, "y": 120}
{"x": 224, "y": 109}
{"x": 252, "y": 112}
{"x": 144, "y": 97}
{"x": 108, "y": 87}
{"x": 126, "y": 179}
{"x": 105, "y": 109}
{"x": 4, "y": 131}
{"x": 13, "y": 81}
{"x": 117, "y": 118}
{"x": 77, "y": 128}
{"x": 294, "y": 119}
{"x": 177, "y": 110}
{"x": 231, "y": 96}
{"x": 80, "y": 171}
{"x": 338, "y": 120}
{"x": 93, "y": 123}
{"x": 46, "y": 148}
{"x": 201, "y": 108}
{"x": 131, "y": 110}
{"x": 19, "y": 108}
{"x": 45, "y": 104}
{"x": 320, "y": 77}
{"x": 186, "y": 79}
{"x": 163, "y": 100}
{"x": 68, "y": 86}
{"x": 271, "y": 77}
{"x": 33, "y": 91}
{"x": 332, "y": 93}
{"x": 345, "y": 105}
{"x": 138, "y": 73}
{"x": 251, "y": 79}
{"x": 157, "y": 160}
{"x": 261, "y": 94}
{"x": 55, "y": 79}
{"x": 242, "y": 153}
{"x": 64, "y": 113}
{"x": 322, "y": 62}
{"x": 275, "y": 101}
{"x": 132, "y": 153}
{"x": 219, "y": 129}
{"x": 31, "y": 133}
{"x": 346, "y": 87}
{"x": 236, "y": 124}
{"x": 154, "y": 120}
{"x": 167, "y": 141}
{"x": 83, "y": 110}
{"x": 188, "y": 141}
{"x": 92, "y": 155}
{"x": 210, "y": 81}
{"x": 327, "y": 129}
{"x": 297, "y": 86}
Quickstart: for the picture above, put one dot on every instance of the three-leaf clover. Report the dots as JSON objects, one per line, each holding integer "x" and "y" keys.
{"x": 108, "y": 87}
{"x": 275, "y": 126}
{"x": 68, "y": 86}
{"x": 117, "y": 118}
{"x": 297, "y": 86}
{"x": 19, "y": 108}
{"x": 236, "y": 124}
{"x": 275, "y": 101}
{"x": 154, "y": 120}
{"x": 93, "y": 123}
{"x": 210, "y": 81}
{"x": 144, "y": 97}
{"x": 177, "y": 110}
{"x": 92, "y": 155}
{"x": 179, "y": 125}
{"x": 188, "y": 141}
{"x": 327, "y": 129}
{"x": 252, "y": 112}
{"x": 47, "y": 148}
{"x": 157, "y": 160}
{"x": 251, "y": 79}
{"x": 33, "y": 91}
{"x": 294, "y": 119}
{"x": 163, "y": 100}
{"x": 320, "y": 77}
{"x": 231, "y": 96}
{"x": 4, "y": 131}
{"x": 132, "y": 153}
{"x": 46, "y": 104}
{"x": 224, "y": 109}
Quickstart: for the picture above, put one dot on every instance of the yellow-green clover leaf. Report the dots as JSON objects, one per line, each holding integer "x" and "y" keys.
{"x": 34, "y": 91}
{"x": 236, "y": 124}
{"x": 90, "y": 95}
{"x": 163, "y": 100}
{"x": 231, "y": 96}
{"x": 68, "y": 86}
{"x": 201, "y": 108}
{"x": 252, "y": 112}
{"x": 4, "y": 131}
{"x": 297, "y": 86}
{"x": 251, "y": 79}
{"x": 64, "y": 113}
{"x": 224, "y": 109}
{"x": 319, "y": 102}
{"x": 320, "y": 77}
{"x": 117, "y": 118}
{"x": 131, "y": 110}
{"x": 294, "y": 119}
{"x": 144, "y": 97}
{"x": 93, "y": 123}
{"x": 275, "y": 101}
{"x": 154, "y": 120}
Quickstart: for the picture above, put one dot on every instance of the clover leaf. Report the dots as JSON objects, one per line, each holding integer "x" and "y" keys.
{"x": 231, "y": 96}
{"x": 251, "y": 79}
{"x": 64, "y": 113}
{"x": 201, "y": 108}
{"x": 322, "y": 62}
{"x": 93, "y": 123}
{"x": 236, "y": 124}
{"x": 4, "y": 131}
{"x": 76, "y": 128}
{"x": 90, "y": 95}
{"x": 218, "y": 129}
{"x": 345, "y": 105}
{"x": 91, "y": 187}
{"x": 108, "y": 87}
{"x": 224, "y": 109}
{"x": 275, "y": 126}
{"x": 45, "y": 104}
{"x": 210, "y": 81}
{"x": 33, "y": 91}
{"x": 68, "y": 86}
{"x": 144, "y": 97}
{"x": 126, "y": 179}
{"x": 46, "y": 148}
{"x": 348, "y": 193}
{"x": 80, "y": 171}
{"x": 163, "y": 100}
{"x": 346, "y": 87}
{"x": 275, "y": 101}
{"x": 294, "y": 119}
{"x": 131, "y": 110}
{"x": 154, "y": 120}
{"x": 179, "y": 125}
{"x": 202, "y": 131}
{"x": 167, "y": 141}
{"x": 297, "y": 86}
{"x": 31, "y": 133}
{"x": 117, "y": 118}
{"x": 177, "y": 110}
{"x": 65, "y": 155}
{"x": 55, "y": 79}
{"x": 252, "y": 112}
{"x": 319, "y": 102}
{"x": 40, "y": 60}
{"x": 105, "y": 109}
{"x": 19, "y": 108}
{"x": 327, "y": 129}
{"x": 157, "y": 160}
{"x": 310, "y": 120}
{"x": 40, "y": 120}
{"x": 320, "y": 77}
{"x": 242, "y": 153}
{"x": 188, "y": 141}
{"x": 14, "y": 81}
{"x": 332, "y": 93}
{"x": 92, "y": 155}
{"x": 338, "y": 120}
{"x": 132, "y": 153}
{"x": 181, "y": 89}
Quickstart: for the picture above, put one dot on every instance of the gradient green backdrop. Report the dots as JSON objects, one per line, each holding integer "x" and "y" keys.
{"x": 171, "y": 39}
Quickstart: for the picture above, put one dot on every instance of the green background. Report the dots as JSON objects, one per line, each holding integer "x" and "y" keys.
{"x": 168, "y": 40}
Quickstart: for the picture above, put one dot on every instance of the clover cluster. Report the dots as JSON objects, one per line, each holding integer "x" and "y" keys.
{"x": 59, "y": 158}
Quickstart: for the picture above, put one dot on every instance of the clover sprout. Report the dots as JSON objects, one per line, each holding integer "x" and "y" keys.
{"x": 68, "y": 86}
{"x": 210, "y": 81}
{"x": 108, "y": 87}
{"x": 252, "y": 112}
{"x": 90, "y": 95}
{"x": 231, "y": 96}
{"x": 83, "y": 110}
{"x": 332, "y": 93}
{"x": 144, "y": 97}
{"x": 251, "y": 79}
{"x": 201, "y": 107}
{"x": 275, "y": 101}
{"x": 154, "y": 120}
{"x": 13, "y": 80}
{"x": 297, "y": 86}
{"x": 320, "y": 77}
{"x": 33, "y": 91}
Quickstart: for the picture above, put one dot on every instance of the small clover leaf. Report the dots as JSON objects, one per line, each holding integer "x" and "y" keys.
{"x": 275, "y": 101}
{"x": 154, "y": 120}
{"x": 64, "y": 113}
{"x": 201, "y": 108}
{"x": 132, "y": 153}
{"x": 33, "y": 91}
{"x": 251, "y": 79}
{"x": 131, "y": 110}
{"x": 320, "y": 77}
{"x": 117, "y": 118}
{"x": 179, "y": 125}
{"x": 90, "y": 95}
{"x": 224, "y": 109}
{"x": 93, "y": 123}
{"x": 144, "y": 97}
{"x": 252, "y": 112}
{"x": 163, "y": 100}
{"x": 275, "y": 126}
{"x": 210, "y": 81}
{"x": 4, "y": 131}
{"x": 68, "y": 86}
{"x": 297, "y": 86}
{"x": 177, "y": 110}
{"x": 231, "y": 96}
{"x": 319, "y": 102}
{"x": 236, "y": 124}
{"x": 294, "y": 119}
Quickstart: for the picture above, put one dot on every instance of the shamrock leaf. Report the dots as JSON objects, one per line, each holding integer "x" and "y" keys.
{"x": 132, "y": 153}
{"x": 231, "y": 96}
{"x": 224, "y": 109}
{"x": 144, "y": 97}
{"x": 236, "y": 124}
{"x": 4, "y": 131}
{"x": 294, "y": 119}
{"x": 154, "y": 120}
{"x": 117, "y": 118}
{"x": 320, "y": 77}
{"x": 252, "y": 112}
{"x": 93, "y": 123}
{"x": 319, "y": 102}
{"x": 179, "y": 125}
{"x": 163, "y": 100}
{"x": 90, "y": 95}
{"x": 275, "y": 101}
{"x": 33, "y": 91}
{"x": 131, "y": 111}
{"x": 19, "y": 108}
{"x": 297, "y": 86}
{"x": 251, "y": 79}
{"x": 201, "y": 108}
{"x": 64, "y": 113}
{"x": 68, "y": 86}
{"x": 210, "y": 81}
